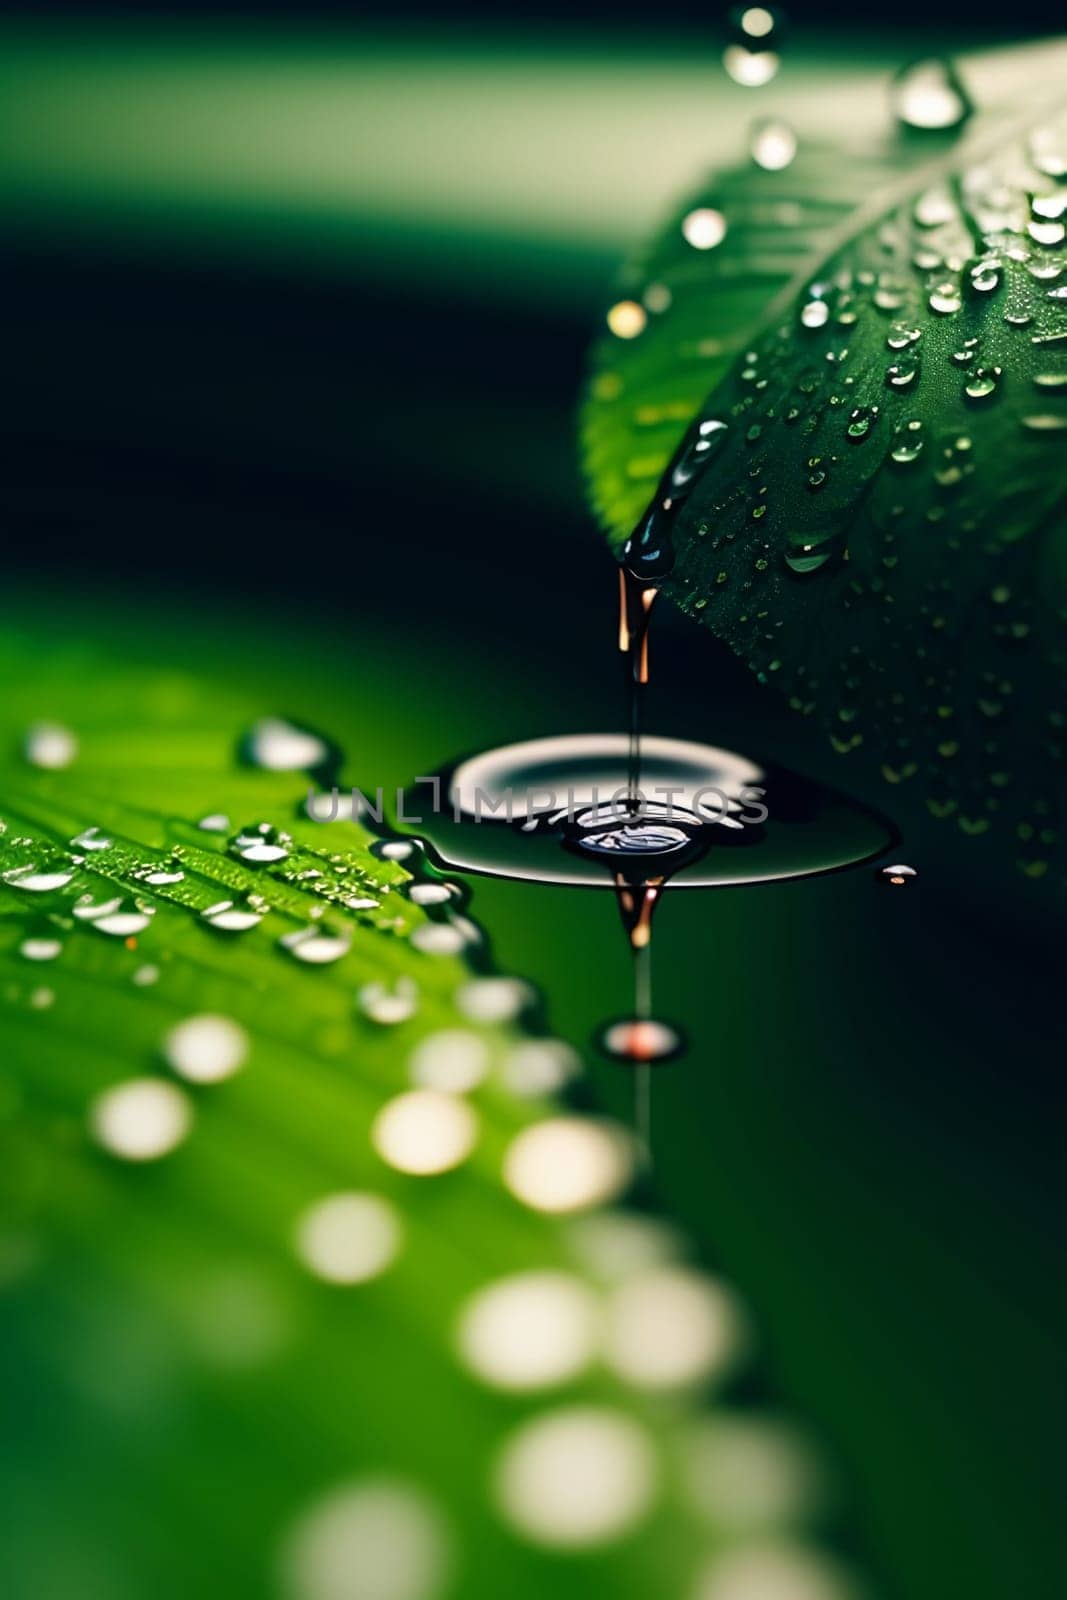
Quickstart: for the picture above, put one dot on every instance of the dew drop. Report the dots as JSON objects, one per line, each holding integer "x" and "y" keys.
{"x": 928, "y": 97}
{"x": 35, "y": 881}
{"x": 91, "y": 839}
{"x": 626, "y": 319}
{"x": 902, "y": 374}
{"x": 984, "y": 276}
{"x": 431, "y": 894}
{"x": 40, "y": 949}
{"x": 982, "y": 383}
{"x": 50, "y": 746}
{"x": 1047, "y": 233}
{"x": 389, "y": 1003}
{"x": 807, "y": 558}
{"x": 860, "y": 422}
{"x": 1044, "y": 422}
{"x": 280, "y": 746}
{"x": 315, "y": 945}
{"x": 122, "y": 916}
{"x": 217, "y": 822}
{"x": 902, "y": 334}
{"x": 261, "y": 842}
{"x": 750, "y": 68}
{"x": 907, "y": 442}
{"x": 773, "y": 146}
{"x": 704, "y": 228}
{"x": 945, "y": 298}
{"x": 394, "y": 849}
{"x": 815, "y": 314}
{"x": 934, "y": 208}
{"x": 232, "y": 916}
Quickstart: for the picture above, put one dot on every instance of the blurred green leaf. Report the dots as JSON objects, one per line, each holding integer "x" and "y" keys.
{"x": 230, "y": 1381}
{"x": 882, "y": 532}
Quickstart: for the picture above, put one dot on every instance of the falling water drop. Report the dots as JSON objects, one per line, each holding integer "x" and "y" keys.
{"x": 261, "y": 842}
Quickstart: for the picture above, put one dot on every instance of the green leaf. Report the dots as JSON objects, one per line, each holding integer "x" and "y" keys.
{"x": 201, "y": 1406}
{"x": 881, "y": 533}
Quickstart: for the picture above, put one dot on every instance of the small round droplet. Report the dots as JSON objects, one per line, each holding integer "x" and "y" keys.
{"x": 815, "y": 314}
{"x": 754, "y": 22}
{"x": 316, "y": 945}
{"x": 704, "y": 228}
{"x": 903, "y": 373}
{"x": 280, "y": 746}
{"x": 982, "y": 383}
{"x": 928, "y": 97}
{"x": 773, "y": 145}
{"x": 122, "y": 916}
{"x": 261, "y": 842}
{"x": 389, "y": 1004}
{"x": 861, "y": 419}
{"x": 50, "y": 746}
{"x": 206, "y": 1048}
{"x": 944, "y": 297}
{"x": 394, "y": 849}
{"x": 232, "y": 916}
{"x": 37, "y": 880}
{"x": 91, "y": 839}
{"x": 140, "y": 1120}
{"x": 627, "y": 319}
{"x": 902, "y": 334}
{"x": 907, "y": 442}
